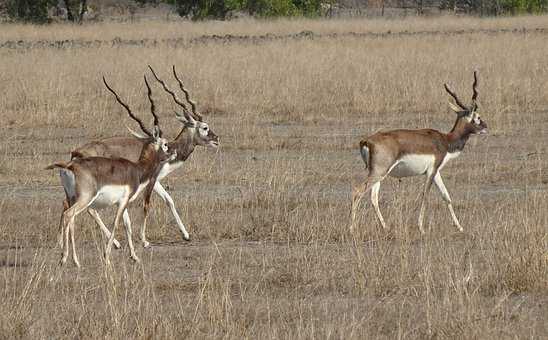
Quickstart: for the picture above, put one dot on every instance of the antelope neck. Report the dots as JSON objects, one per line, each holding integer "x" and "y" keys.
{"x": 183, "y": 144}
{"x": 147, "y": 160}
{"x": 458, "y": 136}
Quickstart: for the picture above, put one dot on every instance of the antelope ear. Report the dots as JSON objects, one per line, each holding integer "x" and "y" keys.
{"x": 183, "y": 119}
{"x": 136, "y": 134}
{"x": 156, "y": 132}
{"x": 454, "y": 107}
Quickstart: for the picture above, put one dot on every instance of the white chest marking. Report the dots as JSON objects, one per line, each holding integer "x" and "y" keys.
{"x": 110, "y": 195}
{"x": 412, "y": 165}
{"x": 449, "y": 156}
{"x": 169, "y": 168}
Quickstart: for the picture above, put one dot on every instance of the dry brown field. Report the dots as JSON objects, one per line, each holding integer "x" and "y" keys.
{"x": 271, "y": 254}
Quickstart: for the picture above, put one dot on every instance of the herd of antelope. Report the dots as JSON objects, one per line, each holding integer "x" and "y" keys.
{"x": 117, "y": 170}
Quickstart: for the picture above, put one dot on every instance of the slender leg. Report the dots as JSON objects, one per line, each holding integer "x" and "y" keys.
{"x": 375, "y": 200}
{"x": 445, "y": 195}
{"x": 427, "y": 186}
{"x": 74, "y": 256}
{"x": 62, "y": 223}
{"x": 378, "y": 170}
{"x": 357, "y": 196}
{"x": 146, "y": 207}
{"x": 121, "y": 207}
{"x": 127, "y": 224}
{"x": 169, "y": 201}
{"x": 68, "y": 216}
{"x": 102, "y": 226}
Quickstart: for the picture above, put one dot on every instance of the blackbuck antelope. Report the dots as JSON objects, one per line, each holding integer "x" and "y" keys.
{"x": 194, "y": 132}
{"x": 404, "y": 153}
{"x": 97, "y": 182}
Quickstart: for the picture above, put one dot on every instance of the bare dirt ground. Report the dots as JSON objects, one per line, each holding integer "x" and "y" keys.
{"x": 271, "y": 255}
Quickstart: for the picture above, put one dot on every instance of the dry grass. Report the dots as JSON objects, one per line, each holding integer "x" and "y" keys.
{"x": 184, "y": 29}
{"x": 271, "y": 255}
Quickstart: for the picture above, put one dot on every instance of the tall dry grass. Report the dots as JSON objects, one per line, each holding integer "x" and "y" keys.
{"x": 271, "y": 255}
{"x": 157, "y": 29}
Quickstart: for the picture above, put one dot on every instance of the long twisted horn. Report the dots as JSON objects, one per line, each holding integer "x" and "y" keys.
{"x": 474, "y": 87}
{"x": 186, "y": 114}
{"x": 187, "y": 96}
{"x": 459, "y": 103}
{"x": 141, "y": 125}
{"x": 152, "y": 106}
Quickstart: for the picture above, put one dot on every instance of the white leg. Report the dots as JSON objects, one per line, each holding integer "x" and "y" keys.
{"x": 121, "y": 208}
{"x": 146, "y": 206}
{"x": 427, "y": 186}
{"x": 375, "y": 200}
{"x": 67, "y": 219}
{"x": 74, "y": 256}
{"x": 69, "y": 216}
{"x": 61, "y": 234}
{"x": 102, "y": 226}
{"x": 127, "y": 224}
{"x": 445, "y": 195}
{"x": 169, "y": 201}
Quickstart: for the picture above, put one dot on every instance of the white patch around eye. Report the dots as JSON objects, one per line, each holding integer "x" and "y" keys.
{"x": 203, "y": 130}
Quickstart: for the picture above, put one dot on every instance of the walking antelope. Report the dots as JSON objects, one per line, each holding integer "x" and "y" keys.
{"x": 193, "y": 133}
{"x": 404, "y": 153}
{"x": 97, "y": 182}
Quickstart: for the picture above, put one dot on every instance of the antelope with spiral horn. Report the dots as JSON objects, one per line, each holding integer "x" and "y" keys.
{"x": 92, "y": 183}
{"x": 404, "y": 153}
{"x": 194, "y": 132}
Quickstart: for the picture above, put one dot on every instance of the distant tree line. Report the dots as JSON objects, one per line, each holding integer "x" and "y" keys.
{"x": 220, "y": 9}
{"x": 496, "y": 7}
{"x": 37, "y": 10}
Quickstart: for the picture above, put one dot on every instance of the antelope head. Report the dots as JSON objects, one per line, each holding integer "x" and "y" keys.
{"x": 468, "y": 117}
{"x": 199, "y": 130}
{"x": 162, "y": 152}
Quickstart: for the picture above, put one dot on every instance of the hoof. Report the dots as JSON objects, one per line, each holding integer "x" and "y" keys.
{"x": 186, "y": 238}
{"x": 135, "y": 259}
{"x": 146, "y": 244}
{"x": 117, "y": 244}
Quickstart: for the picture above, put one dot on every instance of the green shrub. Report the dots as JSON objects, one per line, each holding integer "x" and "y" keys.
{"x": 524, "y": 6}
{"x": 29, "y": 10}
{"x": 202, "y": 9}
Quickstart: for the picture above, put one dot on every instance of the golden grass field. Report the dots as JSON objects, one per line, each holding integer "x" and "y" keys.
{"x": 271, "y": 254}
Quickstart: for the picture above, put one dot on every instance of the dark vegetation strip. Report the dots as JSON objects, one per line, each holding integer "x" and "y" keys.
{"x": 252, "y": 39}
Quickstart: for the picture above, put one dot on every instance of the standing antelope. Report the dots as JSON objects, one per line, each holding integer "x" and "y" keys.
{"x": 97, "y": 182}
{"x": 193, "y": 133}
{"x": 404, "y": 153}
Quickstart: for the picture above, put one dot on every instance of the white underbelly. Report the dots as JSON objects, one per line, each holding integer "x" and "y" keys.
{"x": 412, "y": 165}
{"x": 110, "y": 195}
